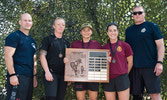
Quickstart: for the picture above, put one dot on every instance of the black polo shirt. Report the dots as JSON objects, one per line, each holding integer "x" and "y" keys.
{"x": 54, "y": 46}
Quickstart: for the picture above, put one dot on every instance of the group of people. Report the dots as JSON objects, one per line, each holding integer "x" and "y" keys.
{"x": 134, "y": 64}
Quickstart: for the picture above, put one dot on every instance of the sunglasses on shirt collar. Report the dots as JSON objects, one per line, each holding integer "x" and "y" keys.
{"x": 139, "y": 13}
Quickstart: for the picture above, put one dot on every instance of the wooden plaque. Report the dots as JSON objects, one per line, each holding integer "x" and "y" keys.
{"x": 87, "y": 65}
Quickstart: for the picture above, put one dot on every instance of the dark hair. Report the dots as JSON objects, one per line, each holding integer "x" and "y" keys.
{"x": 115, "y": 24}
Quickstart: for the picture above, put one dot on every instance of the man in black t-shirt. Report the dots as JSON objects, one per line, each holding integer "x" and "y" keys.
{"x": 147, "y": 43}
{"x": 20, "y": 60}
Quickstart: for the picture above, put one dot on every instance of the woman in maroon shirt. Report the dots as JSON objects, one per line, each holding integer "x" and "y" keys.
{"x": 120, "y": 65}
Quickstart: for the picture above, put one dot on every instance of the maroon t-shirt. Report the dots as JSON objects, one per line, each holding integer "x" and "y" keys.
{"x": 92, "y": 45}
{"x": 122, "y": 52}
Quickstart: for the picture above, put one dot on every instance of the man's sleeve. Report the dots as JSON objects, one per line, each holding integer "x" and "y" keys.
{"x": 12, "y": 40}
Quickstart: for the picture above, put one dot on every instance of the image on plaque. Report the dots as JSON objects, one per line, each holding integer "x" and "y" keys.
{"x": 77, "y": 67}
{"x": 77, "y": 64}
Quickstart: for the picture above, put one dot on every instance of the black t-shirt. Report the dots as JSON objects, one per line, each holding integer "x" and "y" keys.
{"x": 55, "y": 47}
{"x": 142, "y": 40}
{"x": 23, "y": 57}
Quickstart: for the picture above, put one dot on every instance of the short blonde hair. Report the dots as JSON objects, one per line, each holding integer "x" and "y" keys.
{"x": 58, "y": 19}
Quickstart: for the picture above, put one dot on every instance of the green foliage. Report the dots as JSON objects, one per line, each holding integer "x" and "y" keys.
{"x": 76, "y": 12}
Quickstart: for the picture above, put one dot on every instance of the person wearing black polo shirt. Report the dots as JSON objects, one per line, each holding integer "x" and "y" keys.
{"x": 52, "y": 53}
{"x": 147, "y": 43}
{"x": 20, "y": 60}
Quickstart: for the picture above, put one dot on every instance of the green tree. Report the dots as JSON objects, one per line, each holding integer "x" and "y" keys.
{"x": 76, "y": 12}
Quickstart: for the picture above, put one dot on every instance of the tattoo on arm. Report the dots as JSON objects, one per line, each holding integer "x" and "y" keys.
{"x": 43, "y": 52}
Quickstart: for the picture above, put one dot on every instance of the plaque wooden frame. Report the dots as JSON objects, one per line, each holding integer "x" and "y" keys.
{"x": 87, "y": 65}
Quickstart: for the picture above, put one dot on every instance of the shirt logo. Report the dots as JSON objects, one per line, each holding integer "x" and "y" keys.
{"x": 143, "y": 30}
{"x": 33, "y": 45}
{"x": 119, "y": 49}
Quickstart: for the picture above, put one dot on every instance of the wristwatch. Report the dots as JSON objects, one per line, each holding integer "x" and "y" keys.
{"x": 160, "y": 62}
